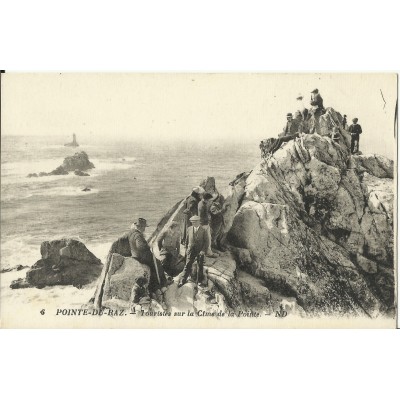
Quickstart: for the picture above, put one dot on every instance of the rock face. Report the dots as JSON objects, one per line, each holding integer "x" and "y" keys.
{"x": 120, "y": 278}
{"x": 80, "y": 173}
{"x": 318, "y": 224}
{"x": 63, "y": 262}
{"x": 309, "y": 230}
{"x": 78, "y": 162}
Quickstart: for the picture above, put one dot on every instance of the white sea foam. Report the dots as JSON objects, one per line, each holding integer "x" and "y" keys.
{"x": 65, "y": 191}
{"x": 16, "y": 251}
{"x": 102, "y": 165}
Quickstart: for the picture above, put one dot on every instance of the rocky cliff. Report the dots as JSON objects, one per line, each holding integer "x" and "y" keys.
{"x": 310, "y": 229}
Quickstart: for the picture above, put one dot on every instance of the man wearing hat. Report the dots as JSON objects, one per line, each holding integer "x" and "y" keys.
{"x": 316, "y": 109}
{"x": 355, "y": 131}
{"x": 316, "y": 100}
{"x": 140, "y": 250}
{"x": 196, "y": 244}
{"x": 191, "y": 207}
{"x": 291, "y": 127}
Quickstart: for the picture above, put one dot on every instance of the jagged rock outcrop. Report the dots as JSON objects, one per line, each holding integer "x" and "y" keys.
{"x": 63, "y": 262}
{"x": 309, "y": 230}
{"x": 78, "y": 162}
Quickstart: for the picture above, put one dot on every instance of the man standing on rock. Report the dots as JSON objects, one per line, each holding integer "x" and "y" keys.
{"x": 196, "y": 244}
{"x": 316, "y": 109}
{"x": 355, "y": 131}
{"x": 140, "y": 250}
{"x": 205, "y": 219}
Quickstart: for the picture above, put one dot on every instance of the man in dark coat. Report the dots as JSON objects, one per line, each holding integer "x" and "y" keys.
{"x": 316, "y": 101}
{"x": 316, "y": 109}
{"x": 191, "y": 206}
{"x": 205, "y": 220}
{"x": 140, "y": 250}
{"x": 355, "y": 131}
{"x": 196, "y": 244}
{"x": 217, "y": 210}
{"x": 291, "y": 127}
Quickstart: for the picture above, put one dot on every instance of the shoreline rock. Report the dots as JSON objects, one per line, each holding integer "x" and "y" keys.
{"x": 78, "y": 163}
{"x": 63, "y": 262}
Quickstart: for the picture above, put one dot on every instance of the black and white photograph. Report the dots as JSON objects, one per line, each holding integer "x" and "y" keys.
{"x": 198, "y": 200}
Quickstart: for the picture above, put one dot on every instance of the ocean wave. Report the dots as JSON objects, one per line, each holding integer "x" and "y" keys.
{"x": 18, "y": 250}
{"x": 66, "y": 191}
{"x": 49, "y": 192}
{"x": 103, "y": 165}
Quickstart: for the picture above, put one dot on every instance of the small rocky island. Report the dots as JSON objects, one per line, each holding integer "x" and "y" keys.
{"x": 74, "y": 143}
{"x": 78, "y": 163}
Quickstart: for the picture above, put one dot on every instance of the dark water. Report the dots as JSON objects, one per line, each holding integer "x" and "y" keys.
{"x": 38, "y": 209}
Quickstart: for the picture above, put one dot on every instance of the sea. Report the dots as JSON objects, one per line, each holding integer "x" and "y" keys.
{"x": 131, "y": 179}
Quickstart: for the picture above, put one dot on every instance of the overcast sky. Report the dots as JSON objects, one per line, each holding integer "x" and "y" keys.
{"x": 240, "y": 107}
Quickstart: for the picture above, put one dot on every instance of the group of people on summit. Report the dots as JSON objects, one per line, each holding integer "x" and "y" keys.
{"x": 299, "y": 124}
{"x": 203, "y": 225}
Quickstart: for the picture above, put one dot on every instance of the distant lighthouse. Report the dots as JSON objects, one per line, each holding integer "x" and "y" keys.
{"x": 74, "y": 143}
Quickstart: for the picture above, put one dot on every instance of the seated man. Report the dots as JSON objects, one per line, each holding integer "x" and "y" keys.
{"x": 140, "y": 250}
{"x": 291, "y": 127}
{"x": 140, "y": 295}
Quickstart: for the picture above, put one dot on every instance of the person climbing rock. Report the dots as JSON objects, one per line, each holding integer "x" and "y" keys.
{"x": 205, "y": 219}
{"x": 355, "y": 131}
{"x": 169, "y": 246}
{"x": 191, "y": 208}
{"x": 217, "y": 210}
{"x": 196, "y": 244}
{"x": 140, "y": 250}
{"x": 140, "y": 296}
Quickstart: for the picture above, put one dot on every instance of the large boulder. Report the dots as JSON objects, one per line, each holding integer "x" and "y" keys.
{"x": 63, "y": 262}
{"x": 78, "y": 161}
{"x": 120, "y": 278}
{"x": 120, "y": 246}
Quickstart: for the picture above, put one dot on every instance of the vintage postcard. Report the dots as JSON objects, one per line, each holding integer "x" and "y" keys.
{"x": 189, "y": 200}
